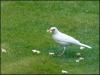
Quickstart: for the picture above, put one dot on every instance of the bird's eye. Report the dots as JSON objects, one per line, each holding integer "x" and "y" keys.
{"x": 53, "y": 29}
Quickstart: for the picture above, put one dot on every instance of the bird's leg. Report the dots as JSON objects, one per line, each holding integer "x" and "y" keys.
{"x": 63, "y": 51}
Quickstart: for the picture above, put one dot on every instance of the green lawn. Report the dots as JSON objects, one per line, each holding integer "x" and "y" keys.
{"x": 23, "y": 28}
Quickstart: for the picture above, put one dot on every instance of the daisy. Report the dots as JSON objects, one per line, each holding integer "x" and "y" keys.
{"x": 63, "y": 71}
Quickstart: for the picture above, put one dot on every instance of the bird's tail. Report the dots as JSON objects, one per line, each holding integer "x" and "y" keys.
{"x": 83, "y": 45}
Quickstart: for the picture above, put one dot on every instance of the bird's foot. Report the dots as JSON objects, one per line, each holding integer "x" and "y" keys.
{"x": 62, "y": 53}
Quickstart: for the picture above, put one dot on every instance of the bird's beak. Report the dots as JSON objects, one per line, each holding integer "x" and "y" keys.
{"x": 49, "y": 30}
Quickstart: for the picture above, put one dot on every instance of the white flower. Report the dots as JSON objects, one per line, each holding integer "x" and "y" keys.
{"x": 81, "y": 48}
{"x": 77, "y": 60}
{"x": 63, "y": 71}
{"x": 36, "y": 51}
{"x": 81, "y": 58}
{"x": 50, "y": 53}
{"x": 3, "y": 50}
{"x": 78, "y": 54}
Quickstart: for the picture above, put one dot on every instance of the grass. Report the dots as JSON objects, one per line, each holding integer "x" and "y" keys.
{"x": 23, "y": 28}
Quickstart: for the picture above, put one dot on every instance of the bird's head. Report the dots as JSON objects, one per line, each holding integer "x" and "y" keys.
{"x": 53, "y": 30}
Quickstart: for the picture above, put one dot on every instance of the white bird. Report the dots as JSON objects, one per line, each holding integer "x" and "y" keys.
{"x": 64, "y": 39}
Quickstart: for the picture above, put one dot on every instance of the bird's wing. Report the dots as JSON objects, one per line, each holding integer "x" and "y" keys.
{"x": 66, "y": 38}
